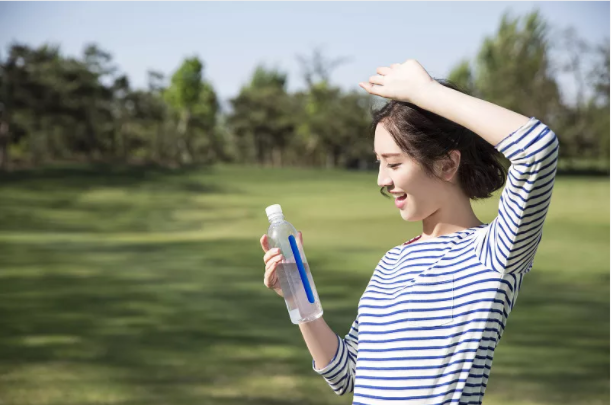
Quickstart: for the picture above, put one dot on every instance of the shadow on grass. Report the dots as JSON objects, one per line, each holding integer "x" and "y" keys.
{"x": 114, "y": 173}
{"x": 83, "y": 177}
{"x": 125, "y": 199}
{"x": 556, "y": 345}
{"x": 174, "y": 320}
{"x": 186, "y": 323}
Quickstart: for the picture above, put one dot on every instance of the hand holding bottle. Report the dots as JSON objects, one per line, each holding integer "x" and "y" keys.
{"x": 271, "y": 259}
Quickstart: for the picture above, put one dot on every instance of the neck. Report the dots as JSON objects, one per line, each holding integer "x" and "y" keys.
{"x": 449, "y": 219}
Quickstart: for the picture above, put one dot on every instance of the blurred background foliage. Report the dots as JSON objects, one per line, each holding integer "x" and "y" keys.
{"x": 58, "y": 108}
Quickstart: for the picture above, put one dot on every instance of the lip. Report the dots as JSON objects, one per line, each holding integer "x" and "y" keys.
{"x": 400, "y": 202}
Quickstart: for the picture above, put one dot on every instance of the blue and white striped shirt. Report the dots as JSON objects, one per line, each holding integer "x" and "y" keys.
{"x": 434, "y": 311}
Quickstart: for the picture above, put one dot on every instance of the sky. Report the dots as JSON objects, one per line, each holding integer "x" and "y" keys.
{"x": 232, "y": 38}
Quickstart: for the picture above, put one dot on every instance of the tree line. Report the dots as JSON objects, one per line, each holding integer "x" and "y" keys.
{"x": 60, "y": 108}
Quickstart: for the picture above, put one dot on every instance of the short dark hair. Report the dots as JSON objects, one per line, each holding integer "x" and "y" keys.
{"x": 427, "y": 137}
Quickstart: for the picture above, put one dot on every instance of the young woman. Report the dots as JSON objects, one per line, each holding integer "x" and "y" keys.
{"x": 436, "y": 306}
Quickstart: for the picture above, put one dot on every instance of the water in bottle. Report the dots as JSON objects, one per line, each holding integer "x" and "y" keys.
{"x": 293, "y": 271}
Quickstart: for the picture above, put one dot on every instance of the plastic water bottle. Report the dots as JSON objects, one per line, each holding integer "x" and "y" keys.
{"x": 293, "y": 271}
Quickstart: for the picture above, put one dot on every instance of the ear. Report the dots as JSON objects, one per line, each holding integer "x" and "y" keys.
{"x": 448, "y": 167}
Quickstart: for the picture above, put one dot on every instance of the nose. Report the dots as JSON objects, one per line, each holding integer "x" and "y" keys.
{"x": 384, "y": 179}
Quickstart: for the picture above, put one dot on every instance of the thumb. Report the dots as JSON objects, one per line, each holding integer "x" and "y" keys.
{"x": 300, "y": 237}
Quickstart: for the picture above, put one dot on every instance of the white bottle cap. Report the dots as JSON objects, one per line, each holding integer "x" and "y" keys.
{"x": 273, "y": 210}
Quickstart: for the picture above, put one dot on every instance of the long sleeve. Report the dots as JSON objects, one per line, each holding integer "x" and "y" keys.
{"x": 509, "y": 243}
{"x": 339, "y": 373}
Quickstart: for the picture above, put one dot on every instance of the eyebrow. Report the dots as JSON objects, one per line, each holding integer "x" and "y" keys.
{"x": 385, "y": 155}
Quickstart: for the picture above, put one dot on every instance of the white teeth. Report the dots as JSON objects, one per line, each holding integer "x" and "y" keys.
{"x": 399, "y": 196}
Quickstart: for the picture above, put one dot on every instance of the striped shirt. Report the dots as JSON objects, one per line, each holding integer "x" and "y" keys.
{"x": 434, "y": 311}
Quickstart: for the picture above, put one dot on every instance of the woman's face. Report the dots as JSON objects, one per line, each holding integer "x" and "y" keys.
{"x": 420, "y": 195}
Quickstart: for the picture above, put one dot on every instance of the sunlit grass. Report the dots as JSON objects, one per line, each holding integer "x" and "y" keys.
{"x": 132, "y": 286}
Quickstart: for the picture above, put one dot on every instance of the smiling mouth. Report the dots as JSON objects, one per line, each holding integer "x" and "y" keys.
{"x": 400, "y": 200}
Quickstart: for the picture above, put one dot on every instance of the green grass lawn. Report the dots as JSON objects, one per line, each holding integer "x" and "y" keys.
{"x": 132, "y": 286}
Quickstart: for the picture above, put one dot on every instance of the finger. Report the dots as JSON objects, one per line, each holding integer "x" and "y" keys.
{"x": 383, "y": 70}
{"x": 264, "y": 243}
{"x": 300, "y": 237}
{"x": 377, "y": 79}
{"x": 271, "y": 265}
{"x": 266, "y": 281}
{"x": 271, "y": 254}
{"x": 370, "y": 88}
{"x": 395, "y": 65}
{"x": 266, "y": 278}
{"x": 270, "y": 279}
{"x": 269, "y": 274}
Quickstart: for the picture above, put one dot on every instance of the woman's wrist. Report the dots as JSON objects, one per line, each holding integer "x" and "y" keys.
{"x": 429, "y": 96}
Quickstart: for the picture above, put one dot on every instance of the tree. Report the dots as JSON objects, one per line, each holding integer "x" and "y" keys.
{"x": 52, "y": 106}
{"x": 599, "y": 74}
{"x": 599, "y": 103}
{"x": 332, "y": 124}
{"x": 156, "y": 114}
{"x": 263, "y": 117}
{"x": 204, "y": 121}
{"x": 317, "y": 68}
{"x": 513, "y": 68}
{"x": 462, "y": 76}
{"x": 6, "y": 94}
{"x": 182, "y": 95}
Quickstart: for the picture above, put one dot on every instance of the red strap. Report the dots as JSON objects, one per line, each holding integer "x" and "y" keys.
{"x": 413, "y": 240}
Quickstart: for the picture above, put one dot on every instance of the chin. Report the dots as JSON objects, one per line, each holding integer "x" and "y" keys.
{"x": 411, "y": 216}
{"x": 406, "y": 216}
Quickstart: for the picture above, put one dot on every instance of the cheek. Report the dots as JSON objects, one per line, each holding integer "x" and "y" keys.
{"x": 421, "y": 189}
{"x": 413, "y": 181}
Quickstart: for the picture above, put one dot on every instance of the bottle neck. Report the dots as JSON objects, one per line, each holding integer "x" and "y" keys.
{"x": 276, "y": 218}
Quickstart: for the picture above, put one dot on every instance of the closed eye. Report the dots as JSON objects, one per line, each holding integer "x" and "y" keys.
{"x": 392, "y": 166}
